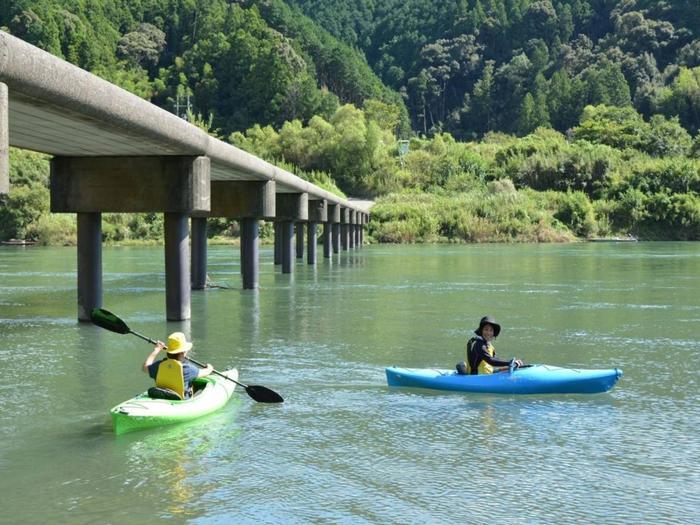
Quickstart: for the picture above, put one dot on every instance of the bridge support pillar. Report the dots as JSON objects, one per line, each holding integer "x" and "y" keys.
{"x": 336, "y": 237}
{"x": 351, "y": 230}
{"x": 312, "y": 241}
{"x": 318, "y": 213}
{"x": 300, "y": 239}
{"x": 177, "y": 267}
{"x": 278, "y": 243}
{"x": 247, "y": 202}
{"x": 199, "y": 252}
{"x": 4, "y": 142}
{"x": 290, "y": 208}
{"x": 89, "y": 264}
{"x": 287, "y": 230}
{"x": 344, "y": 231}
{"x": 250, "y": 250}
{"x": 327, "y": 227}
{"x": 176, "y": 186}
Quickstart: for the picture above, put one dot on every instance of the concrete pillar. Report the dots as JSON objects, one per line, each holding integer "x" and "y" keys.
{"x": 250, "y": 248}
{"x": 4, "y": 143}
{"x": 287, "y": 229}
{"x": 312, "y": 241}
{"x": 351, "y": 226}
{"x": 177, "y": 186}
{"x": 248, "y": 202}
{"x": 278, "y": 243}
{"x": 199, "y": 252}
{"x": 327, "y": 227}
{"x": 336, "y": 237}
{"x": 89, "y": 264}
{"x": 365, "y": 220}
{"x": 177, "y": 267}
{"x": 344, "y": 223}
{"x": 300, "y": 239}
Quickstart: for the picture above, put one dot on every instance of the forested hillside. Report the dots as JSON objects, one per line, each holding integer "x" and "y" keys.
{"x": 238, "y": 69}
{"x": 473, "y": 66}
{"x": 470, "y": 120}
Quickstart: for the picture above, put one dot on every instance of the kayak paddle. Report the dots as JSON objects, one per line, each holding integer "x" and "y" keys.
{"x": 107, "y": 320}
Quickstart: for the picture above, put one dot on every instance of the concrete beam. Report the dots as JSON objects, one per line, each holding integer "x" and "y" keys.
{"x": 333, "y": 214}
{"x": 86, "y": 115}
{"x": 243, "y": 199}
{"x": 292, "y": 207}
{"x": 130, "y": 184}
{"x": 318, "y": 210}
{"x": 4, "y": 143}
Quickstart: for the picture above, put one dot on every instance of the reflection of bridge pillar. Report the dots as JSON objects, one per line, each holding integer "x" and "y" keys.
{"x": 176, "y": 186}
{"x": 89, "y": 264}
{"x": 318, "y": 212}
{"x": 290, "y": 208}
{"x": 198, "y": 240}
{"x": 247, "y": 202}
{"x": 4, "y": 143}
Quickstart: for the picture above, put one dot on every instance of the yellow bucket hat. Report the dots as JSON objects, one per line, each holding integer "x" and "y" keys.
{"x": 177, "y": 343}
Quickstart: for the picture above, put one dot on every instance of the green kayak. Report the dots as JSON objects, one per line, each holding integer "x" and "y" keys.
{"x": 211, "y": 393}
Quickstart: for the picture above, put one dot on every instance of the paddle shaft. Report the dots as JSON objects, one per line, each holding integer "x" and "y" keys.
{"x": 154, "y": 342}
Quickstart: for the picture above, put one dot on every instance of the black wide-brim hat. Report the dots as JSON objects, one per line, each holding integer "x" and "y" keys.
{"x": 489, "y": 320}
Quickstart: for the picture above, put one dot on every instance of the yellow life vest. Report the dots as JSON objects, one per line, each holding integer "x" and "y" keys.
{"x": 171, "y": 376}
{"x": 483, "y": 367}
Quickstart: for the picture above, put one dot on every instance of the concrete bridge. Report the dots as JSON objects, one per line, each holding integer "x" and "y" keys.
{"x": 115, "y": 152}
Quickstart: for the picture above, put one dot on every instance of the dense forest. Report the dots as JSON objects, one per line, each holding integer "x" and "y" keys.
{"x": 471, "y": 120}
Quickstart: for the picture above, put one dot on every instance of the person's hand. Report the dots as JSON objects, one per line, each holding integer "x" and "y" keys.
{"x": 160, "y": 345}
{"x": 209, "y": 368}
{"x": 518, "y": 363}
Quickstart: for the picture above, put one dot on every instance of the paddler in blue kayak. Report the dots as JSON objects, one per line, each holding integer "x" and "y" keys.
{"x": 481, "y": 354}
{"x": 174, "y": 372}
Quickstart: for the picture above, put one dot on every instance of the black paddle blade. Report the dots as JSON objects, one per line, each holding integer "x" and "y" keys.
{"x": 107, "y": 320}
{"x": 263, "y": 394}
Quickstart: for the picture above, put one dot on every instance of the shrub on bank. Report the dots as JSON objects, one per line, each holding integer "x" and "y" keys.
{"x": 494, "y": 214}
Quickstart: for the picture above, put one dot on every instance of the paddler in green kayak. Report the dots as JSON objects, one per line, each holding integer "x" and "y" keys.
{"x": 174, "y": 372}
{"x": 481, "y": 354}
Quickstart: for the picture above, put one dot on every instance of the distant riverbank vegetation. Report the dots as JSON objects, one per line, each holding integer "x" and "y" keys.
{"x": 469, "y": 121}
{"x": 615, "y": 174}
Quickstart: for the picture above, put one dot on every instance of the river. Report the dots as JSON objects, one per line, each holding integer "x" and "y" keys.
{"x": 344, "y": 448}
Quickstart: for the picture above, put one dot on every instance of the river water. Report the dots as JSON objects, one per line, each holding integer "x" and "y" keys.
{"x": 344, "y": 448}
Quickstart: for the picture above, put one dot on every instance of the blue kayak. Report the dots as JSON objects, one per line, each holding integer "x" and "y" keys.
{"x": 533, "y": 379}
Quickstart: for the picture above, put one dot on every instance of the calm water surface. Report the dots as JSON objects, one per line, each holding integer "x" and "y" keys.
{"x": 344, "y": 448}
